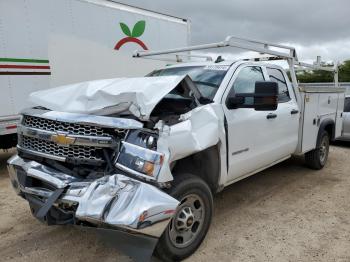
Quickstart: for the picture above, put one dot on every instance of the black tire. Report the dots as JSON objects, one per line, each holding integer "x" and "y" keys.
{"x": 186, "y": 185}
{"x": 317, "y": 158}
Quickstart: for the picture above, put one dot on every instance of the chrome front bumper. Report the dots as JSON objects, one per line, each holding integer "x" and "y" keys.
{"x": 113, "y": 201}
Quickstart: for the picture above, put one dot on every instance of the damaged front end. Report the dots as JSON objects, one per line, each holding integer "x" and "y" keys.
{"x": 115, "y": 202}
{"x": 96, "y": 171}
{"x": 102, "y": 156}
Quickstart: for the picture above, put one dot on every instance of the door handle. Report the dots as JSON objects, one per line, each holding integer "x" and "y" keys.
{"x": 271, "y": 116}
{"x": 294, "y": 111}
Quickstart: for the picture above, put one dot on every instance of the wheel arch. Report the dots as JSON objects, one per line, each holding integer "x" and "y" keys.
{"x": 204, "y": 164}
{"x": 329, "y": 126}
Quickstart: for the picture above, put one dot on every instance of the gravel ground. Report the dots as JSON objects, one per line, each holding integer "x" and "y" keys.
{"x": 286, "y": 213}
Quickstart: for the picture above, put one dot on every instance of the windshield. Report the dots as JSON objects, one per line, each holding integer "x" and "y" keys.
{"x": 206, "y": 78}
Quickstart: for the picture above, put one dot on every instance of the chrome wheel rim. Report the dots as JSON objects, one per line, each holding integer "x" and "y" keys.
{"x": 187, "y": 222}
{"x": 324, "y": 150}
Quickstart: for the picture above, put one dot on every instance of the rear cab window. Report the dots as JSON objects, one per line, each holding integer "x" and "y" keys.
{"x": 276, "y": 75}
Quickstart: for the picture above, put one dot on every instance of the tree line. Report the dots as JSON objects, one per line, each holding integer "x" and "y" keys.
{"x": 319, "y": 76}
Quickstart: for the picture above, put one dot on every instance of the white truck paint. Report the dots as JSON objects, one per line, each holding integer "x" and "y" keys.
{"x": 321, "y": 104}
{"x": 278, "y": 138}
{"x": 345, "y": 130}
{"x": 47, "y": 43}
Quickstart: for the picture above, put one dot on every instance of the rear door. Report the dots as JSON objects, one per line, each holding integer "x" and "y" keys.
{"x": 287, "y": 124}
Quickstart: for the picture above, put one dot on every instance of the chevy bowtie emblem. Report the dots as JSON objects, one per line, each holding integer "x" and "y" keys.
{"x": 62, "y": 139}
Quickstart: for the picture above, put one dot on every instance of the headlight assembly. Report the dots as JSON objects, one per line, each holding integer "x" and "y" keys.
{"x": 139, "y": 160}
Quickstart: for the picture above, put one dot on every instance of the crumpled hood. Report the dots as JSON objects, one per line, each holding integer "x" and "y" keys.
{"x": 138, "y": 96}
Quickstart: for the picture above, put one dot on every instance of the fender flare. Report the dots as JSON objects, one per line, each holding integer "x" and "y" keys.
{"x": 323, "y": 125}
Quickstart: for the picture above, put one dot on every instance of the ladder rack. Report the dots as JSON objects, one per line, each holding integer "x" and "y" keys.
{"x": 279, "y": 51}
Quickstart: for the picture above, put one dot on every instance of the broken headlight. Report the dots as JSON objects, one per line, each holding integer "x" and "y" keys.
{"x": 139, "y": 160}
{"x": 142, "y": 139}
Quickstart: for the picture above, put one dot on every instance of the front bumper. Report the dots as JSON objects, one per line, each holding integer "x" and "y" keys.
{"x": 111, "y": 202}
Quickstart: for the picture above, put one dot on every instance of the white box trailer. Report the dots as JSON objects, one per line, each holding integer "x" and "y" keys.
{"x": 47, "y": 43}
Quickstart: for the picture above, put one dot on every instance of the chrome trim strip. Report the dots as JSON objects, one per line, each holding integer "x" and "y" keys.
{"x": 39, "y": 171}
{"x": 53, "y": 157}
{"x": 54, "y": 178}
{"x": 84, "y": 119}
{"x": 38, "y": 191}
{"x": 79, "y": 140}
{"x": 25, "y": 150}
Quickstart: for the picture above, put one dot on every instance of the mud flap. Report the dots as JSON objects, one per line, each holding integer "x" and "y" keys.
{"x": 138, "y": 247}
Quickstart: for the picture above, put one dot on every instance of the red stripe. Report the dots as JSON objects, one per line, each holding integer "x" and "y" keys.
{"x": 25, "y": 73}
{"x": 24, "y": 67}
{"x": 11, "y": 127}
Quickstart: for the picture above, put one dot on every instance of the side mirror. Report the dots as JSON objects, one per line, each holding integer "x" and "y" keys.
{"x": 234, "y": 102}
{"x": 266, "y": 96}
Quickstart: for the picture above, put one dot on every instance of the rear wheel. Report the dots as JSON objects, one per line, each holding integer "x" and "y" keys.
{"x": 191, "y": 222}
{"x": 317, "y": 158}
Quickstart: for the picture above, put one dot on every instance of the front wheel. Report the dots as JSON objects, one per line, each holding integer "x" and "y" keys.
{"x": 317, "y": 158}
{"x": 191, "y": 222}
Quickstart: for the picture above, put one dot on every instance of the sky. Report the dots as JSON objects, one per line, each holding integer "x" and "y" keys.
{"x": 314, "y": 27}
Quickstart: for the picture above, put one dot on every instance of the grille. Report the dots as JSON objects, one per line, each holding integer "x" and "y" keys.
{"x": 51, "y": 148}
{"x": 75, "y": 152}
{"x": 70, "y": 128}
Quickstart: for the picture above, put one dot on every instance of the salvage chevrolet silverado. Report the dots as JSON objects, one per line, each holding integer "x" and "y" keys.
{"x": 143, "y": 156}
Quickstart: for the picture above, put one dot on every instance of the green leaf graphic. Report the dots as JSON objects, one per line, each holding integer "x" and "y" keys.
{"x": 125, "y": 29}
{"x": 138, "y": 29}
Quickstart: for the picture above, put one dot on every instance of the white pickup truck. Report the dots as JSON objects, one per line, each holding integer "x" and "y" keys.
{"x": 142, "y": 157}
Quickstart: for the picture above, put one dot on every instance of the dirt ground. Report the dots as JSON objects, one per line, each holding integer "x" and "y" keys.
{"x": 286, "y": 213}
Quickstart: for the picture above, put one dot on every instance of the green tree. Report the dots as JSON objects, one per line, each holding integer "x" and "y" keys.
{"x": 314, "y": 76}
{"x": 344, "y": 71}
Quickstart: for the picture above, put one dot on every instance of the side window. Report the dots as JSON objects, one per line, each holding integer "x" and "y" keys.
{"x": 276, "y": 75}
{"x": 245, "y": 81}
{"x": 347, "y": 105}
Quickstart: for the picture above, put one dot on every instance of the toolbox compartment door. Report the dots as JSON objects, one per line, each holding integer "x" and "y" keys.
{"x": 340, "y": 116}
{"x": 309, "y": 124}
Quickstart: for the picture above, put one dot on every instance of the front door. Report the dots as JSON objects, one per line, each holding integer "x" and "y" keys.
{"x": 254, "y": 137}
